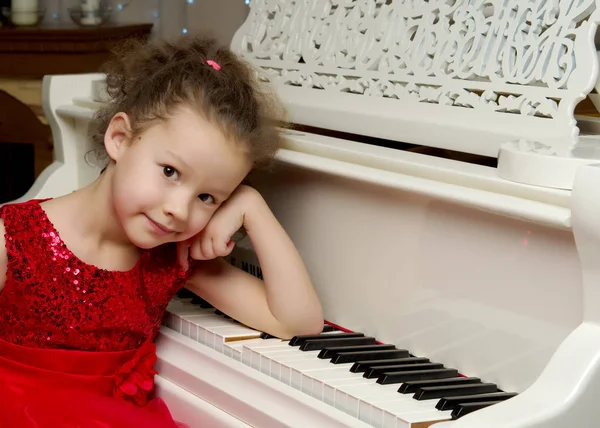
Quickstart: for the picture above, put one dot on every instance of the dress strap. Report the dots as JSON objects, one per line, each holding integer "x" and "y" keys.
{"x": 20, "y": 221}
{"x": 19, "y": 218}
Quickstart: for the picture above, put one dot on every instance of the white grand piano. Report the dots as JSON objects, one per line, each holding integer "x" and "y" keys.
{"x": 445, "y": 199}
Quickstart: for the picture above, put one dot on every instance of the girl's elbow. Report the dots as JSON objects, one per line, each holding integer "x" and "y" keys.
{"x": 314, "y": 326}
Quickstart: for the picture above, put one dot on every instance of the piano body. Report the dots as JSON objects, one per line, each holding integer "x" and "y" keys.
{"x": 484, "y": 259}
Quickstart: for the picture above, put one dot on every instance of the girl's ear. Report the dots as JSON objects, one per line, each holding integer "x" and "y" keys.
{"x": 117, "y": 135}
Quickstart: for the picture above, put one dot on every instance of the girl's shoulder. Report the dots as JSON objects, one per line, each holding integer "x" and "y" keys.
{"x": 15, "y": 220}
{"x": 20, "y": 216}
{"x": 20, "y": 225}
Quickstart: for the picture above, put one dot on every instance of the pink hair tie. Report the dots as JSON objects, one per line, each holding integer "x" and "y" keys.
{"x": 213, "y": 64}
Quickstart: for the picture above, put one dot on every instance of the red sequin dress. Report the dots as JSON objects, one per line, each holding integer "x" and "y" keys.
{"x": 75, "y": 340}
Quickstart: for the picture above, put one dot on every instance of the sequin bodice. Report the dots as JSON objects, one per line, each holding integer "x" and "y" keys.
{"x": 52, "y": 299}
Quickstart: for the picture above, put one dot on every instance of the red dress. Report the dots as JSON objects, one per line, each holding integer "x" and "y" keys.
{"x": 76, "y": 344}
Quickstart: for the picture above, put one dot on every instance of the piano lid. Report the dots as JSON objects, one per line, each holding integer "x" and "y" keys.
{"x": 468, "y": 76}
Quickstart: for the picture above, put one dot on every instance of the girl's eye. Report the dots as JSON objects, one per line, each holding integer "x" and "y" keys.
{"x": 205, "y": 197}
{"x": 170, "y": 172}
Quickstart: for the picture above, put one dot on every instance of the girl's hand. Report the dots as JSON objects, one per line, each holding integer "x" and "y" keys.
{"x": 215, "y": 239}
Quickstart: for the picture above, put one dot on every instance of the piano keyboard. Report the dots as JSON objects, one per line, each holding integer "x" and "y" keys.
{"x": 377, "y": 383}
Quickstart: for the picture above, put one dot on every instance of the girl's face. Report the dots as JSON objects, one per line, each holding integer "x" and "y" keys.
{"x": 168, "y": 183}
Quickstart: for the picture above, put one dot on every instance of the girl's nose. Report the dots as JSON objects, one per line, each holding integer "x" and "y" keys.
{"x": 178, "y": 208}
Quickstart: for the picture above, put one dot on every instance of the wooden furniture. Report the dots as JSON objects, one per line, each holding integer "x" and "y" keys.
{"x": 61, "y": 48}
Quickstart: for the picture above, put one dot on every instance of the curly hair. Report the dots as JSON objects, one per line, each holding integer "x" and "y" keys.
{"x": 148, "y": 81}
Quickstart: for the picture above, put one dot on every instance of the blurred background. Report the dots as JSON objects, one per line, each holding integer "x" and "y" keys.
{"x": 39, "y": 37}
{"x": 169, "y": 17}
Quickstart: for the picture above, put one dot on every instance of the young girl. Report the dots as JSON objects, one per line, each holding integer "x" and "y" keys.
{"x": 85, "y": 278}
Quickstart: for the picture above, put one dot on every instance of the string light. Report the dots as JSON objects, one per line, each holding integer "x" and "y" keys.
{"x": 184, "y": 30}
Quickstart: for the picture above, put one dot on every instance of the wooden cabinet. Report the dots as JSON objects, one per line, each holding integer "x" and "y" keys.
{"x": 61, "y": 48}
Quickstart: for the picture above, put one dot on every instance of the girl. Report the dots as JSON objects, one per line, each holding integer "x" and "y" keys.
{"x": 85, "y": 278}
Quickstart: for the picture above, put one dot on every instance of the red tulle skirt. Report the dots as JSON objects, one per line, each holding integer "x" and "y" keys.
{"x": 53, "y": 388}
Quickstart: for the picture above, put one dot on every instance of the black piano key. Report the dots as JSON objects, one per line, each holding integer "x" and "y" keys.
{"x": 412, "y": 386}
{"x": 429, "y": 392}
{"x": 379, "y": 370}
{"x": 218, "y": 312}
{"x": 331, "y": 352}
{"x": 184, "y": 293}
{"x": 351, "y": 357}
{"x": 267, "y": 336}
{"x": 361, "y": 366}
{"x": 449, "y": 403}
{"x": 325, "y": 342}
{"x": 299, "y": 340}
{"x": 466, "y": 408}
{"x": 201, "y": 302}
{"x": 327, "y": 328}
{"x": 388, "y": 378}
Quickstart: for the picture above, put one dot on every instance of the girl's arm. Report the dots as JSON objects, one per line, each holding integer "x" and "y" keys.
{"x": 3, "y": 256}
{"x": 285, "y": 303}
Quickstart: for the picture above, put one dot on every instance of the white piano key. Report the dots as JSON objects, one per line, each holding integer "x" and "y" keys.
{"x": 347, "y": 398}
{"x": 303, "y": 369}
{"x": 334, "y": 384}
{"x": 412, "y": 419}
{"x": 277, "y": 368}
{"x": 287, "y": 355}
{"x": 207, "y": 327}
{"x": 333, "y": 374}
{"x": 297, "y": 378}
{"x": 269, "y": 343}
{"x": 405, "y": 413}
{"x": 173, "y": 322}
{"x": 314, "y": 363}
{"x": 264, "y": 344}
{"x": 378, "y": 405}
{"x": 227, "y": 334}
{"x": 184, "y": 309}
{"x": 271, "y": 365}
{"x": 273, "y": 361}
{"x": 189, "y": 324}
{"x": 242, "y": 331}
{"x": 268, "y": 362}
{"x": 254, "y": 355}
{"x": 204, "y": 325}
{"x": 355, "y": 397}
{"x": 234, "y": 349}
{"x": 286, "y": 361}
{"x": 329, "y": 389}
{"x": 256, "y": 351}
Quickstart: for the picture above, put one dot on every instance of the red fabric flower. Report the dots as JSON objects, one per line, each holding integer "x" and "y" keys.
{"x": 135, "y": 379}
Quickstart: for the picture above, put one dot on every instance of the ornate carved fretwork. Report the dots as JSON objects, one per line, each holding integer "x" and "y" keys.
{"x": 513, "y": 56}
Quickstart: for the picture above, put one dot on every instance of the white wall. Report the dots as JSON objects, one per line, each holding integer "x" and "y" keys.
{"x": 217, "y": 17}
